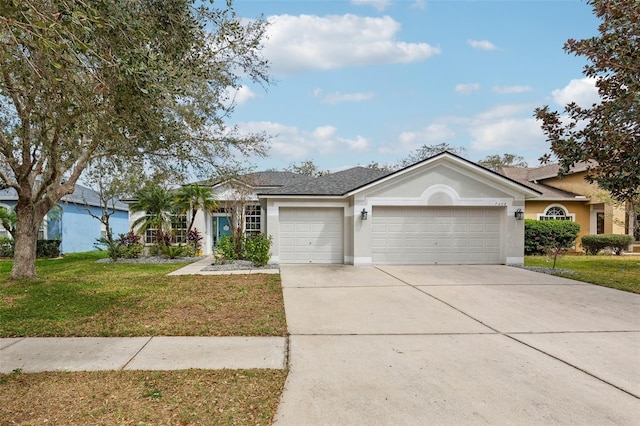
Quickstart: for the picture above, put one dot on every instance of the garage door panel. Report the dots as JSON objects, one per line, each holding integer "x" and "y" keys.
{"x": 431, "y": 235}
{"x": 311, "y": 235}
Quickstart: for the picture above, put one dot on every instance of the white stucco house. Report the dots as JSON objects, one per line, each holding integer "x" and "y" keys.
{"x": 443, "y": 210}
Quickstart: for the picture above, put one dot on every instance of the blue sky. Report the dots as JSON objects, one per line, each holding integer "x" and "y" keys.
{"x": 357, "y": 81}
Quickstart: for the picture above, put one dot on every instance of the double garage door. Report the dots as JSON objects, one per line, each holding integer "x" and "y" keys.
{"x": 436, "y": 235}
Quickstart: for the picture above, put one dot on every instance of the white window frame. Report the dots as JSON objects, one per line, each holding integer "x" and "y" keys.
{"x": 252, "y": 219}
{"x": 566, "y": 216}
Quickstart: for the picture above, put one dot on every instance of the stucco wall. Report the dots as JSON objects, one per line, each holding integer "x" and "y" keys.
{"x": 80, "y": 231}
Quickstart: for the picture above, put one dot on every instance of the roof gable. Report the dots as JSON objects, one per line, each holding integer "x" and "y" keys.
{"x": 462, "y": 164}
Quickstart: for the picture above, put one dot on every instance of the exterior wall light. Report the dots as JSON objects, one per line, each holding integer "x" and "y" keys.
{"x": 364, "y": 214}
{"x": 519, "y": 214}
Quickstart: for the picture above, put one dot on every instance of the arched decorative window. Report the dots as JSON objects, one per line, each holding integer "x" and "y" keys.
{"x": 556, "y": 212}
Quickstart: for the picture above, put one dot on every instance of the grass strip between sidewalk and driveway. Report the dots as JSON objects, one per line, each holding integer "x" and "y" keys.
{"x": 619, "y": 272}
{"x": 77, "y": 296}
{"x": 185, "y": 397}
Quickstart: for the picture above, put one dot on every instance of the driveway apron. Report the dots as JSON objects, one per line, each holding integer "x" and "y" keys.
{"x": 417, "y": 345}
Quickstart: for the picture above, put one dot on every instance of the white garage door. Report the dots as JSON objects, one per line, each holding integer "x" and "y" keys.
{"x": 311, "y": 235}
{"x": 436, "y": 235}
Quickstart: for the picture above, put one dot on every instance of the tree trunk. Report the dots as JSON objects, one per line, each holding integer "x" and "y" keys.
{"x": 26, "y": 239}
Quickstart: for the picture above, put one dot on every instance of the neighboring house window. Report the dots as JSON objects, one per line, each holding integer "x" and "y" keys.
{"x": 42, "y": 231}
{"x": 252, "y": 220}
{"x": 150, "y": 236}
{"x": 556, "y": 213}
{"x": 600, "y": 223}
{"x": 179, "y": 227}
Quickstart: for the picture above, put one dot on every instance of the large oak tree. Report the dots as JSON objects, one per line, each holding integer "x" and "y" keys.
{"x": 143, "y": 83}
{"x": 606, "y": 134}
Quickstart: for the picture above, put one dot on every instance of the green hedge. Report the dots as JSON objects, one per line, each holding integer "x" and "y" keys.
{"x": 48, "y": 248}
{"x": 6, "y": 247}
{"x": 44, "y": 248}
{"x": 563, "y": 232}
{"x": 592, "y": 244}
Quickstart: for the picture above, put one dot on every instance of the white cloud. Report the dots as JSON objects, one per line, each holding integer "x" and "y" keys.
{"x": 582, "y": 91}
{"x": 419, "y": 4}
{"x": 294, "y": 144}
{"x": 466, "y": 89}
{"x": 309, "y": 42}
{"x": 408, "y": 141}
{"x": 243, "y": 95}
{"x": 482, "y": 44}
{"x": 337, "y": 97}
{"x": 506, "y": 110}
{"x": 378, "y": 5}
{"x": 505, "y": 135}
{"x": 508, "y": 90}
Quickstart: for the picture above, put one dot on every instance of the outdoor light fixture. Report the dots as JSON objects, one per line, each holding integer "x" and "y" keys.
{"x": 519, "y": 214}
{"x": 363, "y": 214}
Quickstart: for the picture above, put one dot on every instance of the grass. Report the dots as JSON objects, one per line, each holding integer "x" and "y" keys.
{"x": 141, "y": 397}
{"x": 76, "y": 296}
{"x": 619, "y": 272}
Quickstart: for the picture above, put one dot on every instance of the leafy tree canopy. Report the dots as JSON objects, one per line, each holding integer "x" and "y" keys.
{"x": 307, "y": 168}
{"x": 606, "y": 134}
{"x": 143, "y": 83}
{"x": 426, "y": 151}
{"x": 496, "y": 162}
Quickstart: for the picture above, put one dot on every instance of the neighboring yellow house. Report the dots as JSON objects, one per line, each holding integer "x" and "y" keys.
{"x": 571, "y": 198}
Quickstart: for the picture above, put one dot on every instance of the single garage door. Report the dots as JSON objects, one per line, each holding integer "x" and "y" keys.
{"x": 311, "y": 235}
{"x": 436, "y": 235}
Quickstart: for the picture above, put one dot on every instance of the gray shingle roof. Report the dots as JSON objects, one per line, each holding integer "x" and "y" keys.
{"x": 81, "y": 195}
{"x": 529, "y": 177}
{"x": 271, "y": 178}
{"x": 338, "y": 183}
{"x": 264, "y": 179}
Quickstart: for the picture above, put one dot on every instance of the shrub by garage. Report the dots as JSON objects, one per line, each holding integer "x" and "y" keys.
{"x": 562, "y": 232}
{"x": 593, "y": 244}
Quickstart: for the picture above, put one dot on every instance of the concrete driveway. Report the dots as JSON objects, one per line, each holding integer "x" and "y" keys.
{"x": 419, "y": 345}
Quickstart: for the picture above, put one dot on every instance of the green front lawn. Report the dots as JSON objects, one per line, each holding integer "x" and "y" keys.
{"x": 620, "y": 272}
{"x": 75, "y": 296}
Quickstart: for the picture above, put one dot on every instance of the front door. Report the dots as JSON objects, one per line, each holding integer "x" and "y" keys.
{"x": 221, "y": 227}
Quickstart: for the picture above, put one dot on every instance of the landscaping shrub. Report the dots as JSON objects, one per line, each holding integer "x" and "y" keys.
{"x": 6, "y": 247}
{"x": 256, "y": 249}
{"x": 537, "y": 233}
{"x": 172, "y": 252}
{"x": 227, "y": 249}
{"x": 48, "y": 248}
{"x": 131, "y": 246}
{"x": 194, "y": 239}
{"x": 592, "y": 244}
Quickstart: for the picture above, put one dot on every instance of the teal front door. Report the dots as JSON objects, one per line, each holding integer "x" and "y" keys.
{"x": 221, "y": 227}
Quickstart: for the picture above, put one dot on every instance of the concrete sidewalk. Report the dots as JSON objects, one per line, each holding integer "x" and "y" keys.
{"x": 196, "y": 268}
{"x": 35, "y": 354}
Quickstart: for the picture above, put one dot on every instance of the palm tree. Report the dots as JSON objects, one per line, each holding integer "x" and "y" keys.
{"x": 194, "y": 197}
{"x": 158, "y": 204}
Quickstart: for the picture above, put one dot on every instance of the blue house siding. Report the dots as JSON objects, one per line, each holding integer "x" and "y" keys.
{"x": 70, "y": 219}
{"x": 80, "y": 230}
